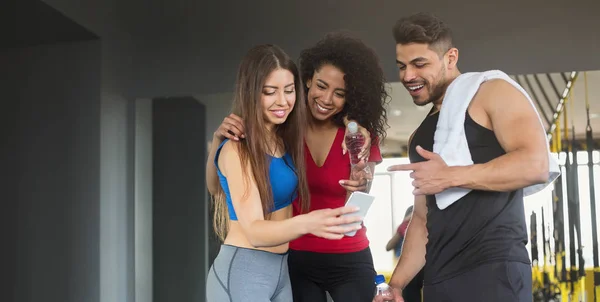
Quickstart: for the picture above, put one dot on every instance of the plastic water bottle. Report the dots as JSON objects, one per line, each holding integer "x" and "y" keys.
{"x": 354, "y": 142}
{"x": 383, "y": 289}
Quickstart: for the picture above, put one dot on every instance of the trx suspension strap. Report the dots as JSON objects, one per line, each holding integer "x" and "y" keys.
{"x": 548, "y": 293}
{"x": 569, "y": 176}
{"x": 533, "y": 239}
{"x": 558, "y": 207}
{"x": 556, "y": 250}
{"x": 544, "y": 245}
{"x": 577, "y": 209}
{"x": 574, "y": 216}
{"x": 559, "y": 214}
{"x": 560, "y": 270}
{"x": 590, "y": 148}
{"x": 538, "y": 288}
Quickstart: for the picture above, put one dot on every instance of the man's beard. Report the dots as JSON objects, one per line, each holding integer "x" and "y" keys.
{"x": 437, "y": 91}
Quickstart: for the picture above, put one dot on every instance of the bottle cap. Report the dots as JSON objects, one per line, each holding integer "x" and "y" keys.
{"x": 353, "y": 127}
{"x": 379, "y": 279}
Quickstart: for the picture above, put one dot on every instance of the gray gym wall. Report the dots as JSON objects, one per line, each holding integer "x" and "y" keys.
{"x": 178, "y": 169}
{"x": 52, "y": 149}
{"x": 68, "y": 153}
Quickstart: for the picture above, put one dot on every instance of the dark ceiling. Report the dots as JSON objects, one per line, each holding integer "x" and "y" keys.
{"x": 25, "y": 23}
{"x": 183, "y": 47}
{"x": 519, "y": 37}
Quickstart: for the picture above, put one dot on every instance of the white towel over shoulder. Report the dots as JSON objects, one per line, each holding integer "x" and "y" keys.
{"x": 450, "y": 141}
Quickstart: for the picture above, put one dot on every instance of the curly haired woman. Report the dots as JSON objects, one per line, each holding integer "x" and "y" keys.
{"x": 344, "y": 81}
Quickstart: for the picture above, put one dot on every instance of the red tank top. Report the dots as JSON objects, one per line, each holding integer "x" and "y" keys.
{"x": 326, "y": 192}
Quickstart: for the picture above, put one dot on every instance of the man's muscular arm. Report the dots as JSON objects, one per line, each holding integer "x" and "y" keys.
{"x": 521, "y": 135}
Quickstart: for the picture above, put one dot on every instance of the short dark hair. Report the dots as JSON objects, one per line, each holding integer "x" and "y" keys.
{"x": 424, "y": 28}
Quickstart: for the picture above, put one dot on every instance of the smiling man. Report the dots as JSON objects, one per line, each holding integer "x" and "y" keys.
{"x": 473, "y": 248}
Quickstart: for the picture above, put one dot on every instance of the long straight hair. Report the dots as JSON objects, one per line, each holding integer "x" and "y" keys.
{"x": 253, "y": 71}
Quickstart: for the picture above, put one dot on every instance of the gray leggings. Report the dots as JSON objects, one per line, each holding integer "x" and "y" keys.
{"x": 247, "y": 275}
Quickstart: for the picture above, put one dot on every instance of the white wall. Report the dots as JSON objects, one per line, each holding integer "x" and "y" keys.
{"x": 393, "y": 193}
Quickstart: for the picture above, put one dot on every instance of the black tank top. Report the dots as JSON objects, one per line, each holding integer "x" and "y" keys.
{"x": 482, "y": 226}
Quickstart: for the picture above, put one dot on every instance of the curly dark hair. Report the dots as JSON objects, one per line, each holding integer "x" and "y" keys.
{"x": 366, "y": 95}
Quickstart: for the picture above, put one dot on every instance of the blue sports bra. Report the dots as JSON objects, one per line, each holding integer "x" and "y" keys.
{"x": 282, "y": 176}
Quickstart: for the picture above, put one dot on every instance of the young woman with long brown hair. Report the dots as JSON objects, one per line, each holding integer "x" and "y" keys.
{"x": 259, "y": 178}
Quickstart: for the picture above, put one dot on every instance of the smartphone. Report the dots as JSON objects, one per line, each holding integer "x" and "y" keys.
{"x": 361, "y": 200}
